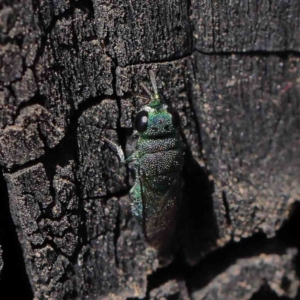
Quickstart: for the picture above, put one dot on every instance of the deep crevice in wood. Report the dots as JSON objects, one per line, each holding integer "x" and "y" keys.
{"x": 14, "y": 271}
{"x": 266, "y": 293}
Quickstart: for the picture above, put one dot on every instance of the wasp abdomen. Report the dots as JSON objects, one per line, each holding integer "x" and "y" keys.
{"x": 161, "y": 182}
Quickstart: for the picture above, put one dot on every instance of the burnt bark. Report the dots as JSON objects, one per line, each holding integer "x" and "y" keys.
{"x": 70, "y": 73}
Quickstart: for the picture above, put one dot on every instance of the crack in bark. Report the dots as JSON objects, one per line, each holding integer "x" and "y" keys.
{"x": 158, "y": 62}
{"x": 259, "y": 53}
{"x": 227, "y": 210}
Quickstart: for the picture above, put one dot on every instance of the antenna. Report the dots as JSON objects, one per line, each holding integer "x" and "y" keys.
{"x": 146, "y": 90}
{"x": 153, "y": 81}
{"x": 143, "y": 97}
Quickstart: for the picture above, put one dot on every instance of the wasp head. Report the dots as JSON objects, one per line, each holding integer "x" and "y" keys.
{"x": 157, "y": 122}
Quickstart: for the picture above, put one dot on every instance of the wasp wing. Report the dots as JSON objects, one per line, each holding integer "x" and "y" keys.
{"x": 160, "y": 209}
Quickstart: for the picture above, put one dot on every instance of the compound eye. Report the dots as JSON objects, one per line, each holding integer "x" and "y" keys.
{"x": 175, "y": 117}
{"x": 141, "y": 121}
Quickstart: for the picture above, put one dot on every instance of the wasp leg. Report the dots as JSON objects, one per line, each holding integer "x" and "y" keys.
{"x": 120, "y": 152}
{"x": 137, "y": 205}
{"x": 130, "y": 159}
{"x": 117, "y": 148}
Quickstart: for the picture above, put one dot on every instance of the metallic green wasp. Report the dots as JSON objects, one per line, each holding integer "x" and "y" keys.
{"x": 158, "y": 161}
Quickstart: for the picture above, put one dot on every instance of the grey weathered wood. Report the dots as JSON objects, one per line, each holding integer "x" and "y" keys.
{"x": 70, "y": 73}
{"x": 246, "y": 26}
{"x": 173, "y": 288}
{"x": 248, "y": 108}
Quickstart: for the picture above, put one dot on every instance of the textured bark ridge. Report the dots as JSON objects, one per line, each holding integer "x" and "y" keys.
{"x": 70, "y": 74}
{"x": 249, "y": 275}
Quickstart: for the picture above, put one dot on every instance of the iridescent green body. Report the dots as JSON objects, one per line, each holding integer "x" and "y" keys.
{"x": 158, "y": 162}
{"x": 156, "y": 192}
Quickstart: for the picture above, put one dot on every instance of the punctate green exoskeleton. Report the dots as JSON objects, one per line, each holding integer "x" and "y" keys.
{"x": 156, "y": 192}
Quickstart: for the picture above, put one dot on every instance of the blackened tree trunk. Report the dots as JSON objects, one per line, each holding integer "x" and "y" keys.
{"x": 70, "y": 73}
